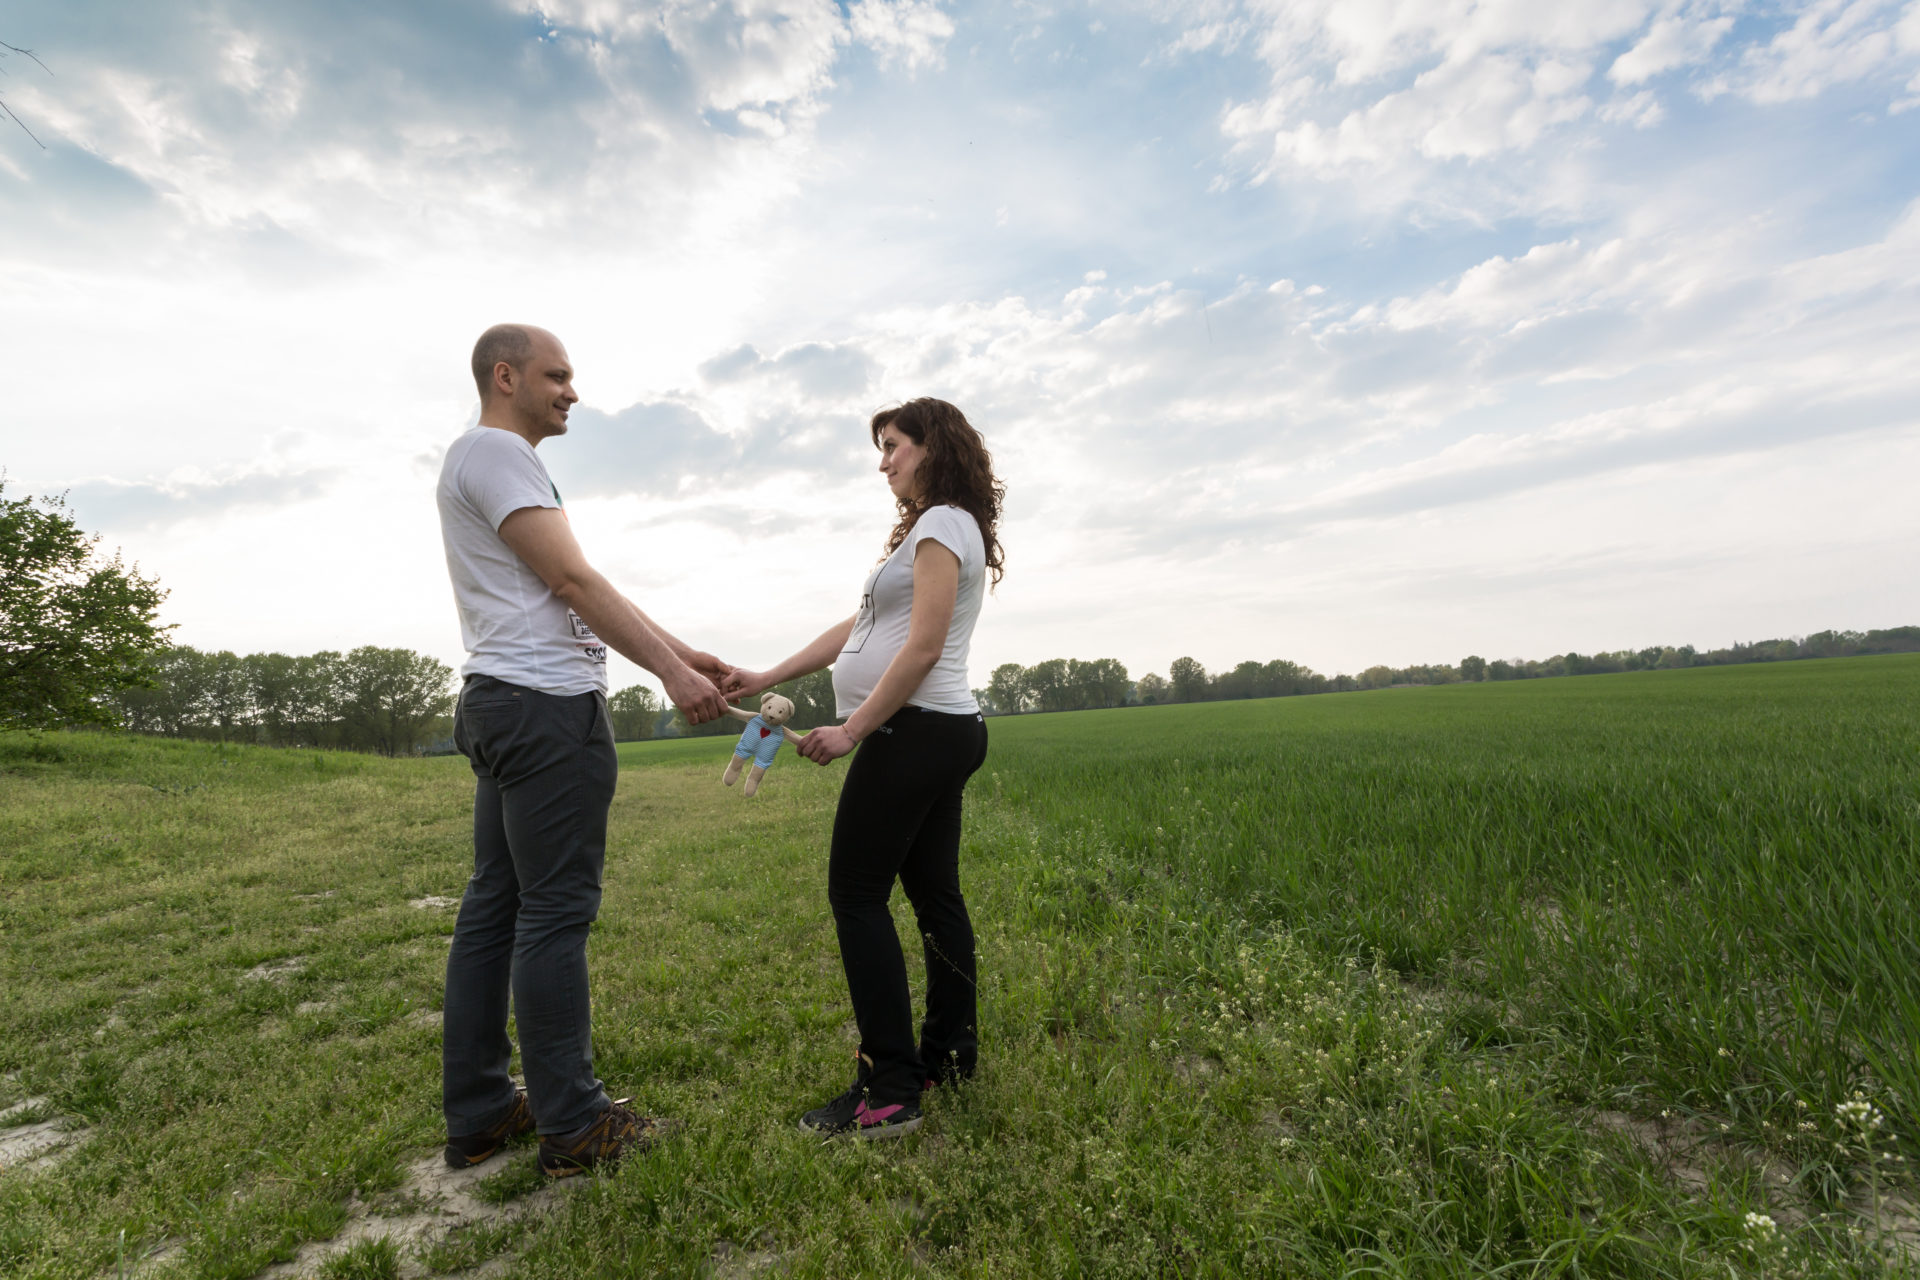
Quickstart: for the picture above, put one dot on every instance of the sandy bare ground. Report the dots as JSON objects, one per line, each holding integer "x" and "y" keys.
{"x": 30, "y": 1140}
{"x": 438, "y": 1201}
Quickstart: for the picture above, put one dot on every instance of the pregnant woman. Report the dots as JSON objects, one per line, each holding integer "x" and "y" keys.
{"x": 900, "y": 684}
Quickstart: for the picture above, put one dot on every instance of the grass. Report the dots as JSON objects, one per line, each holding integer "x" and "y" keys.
{"x": 1704, "y": 881}
{"x": 1377, "y": 984}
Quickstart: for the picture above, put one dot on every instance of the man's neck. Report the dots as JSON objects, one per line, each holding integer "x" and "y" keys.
{"x": 505, "y": 422}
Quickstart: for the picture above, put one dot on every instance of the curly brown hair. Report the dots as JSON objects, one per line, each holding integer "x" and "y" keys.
{"x": 956, "y": 471}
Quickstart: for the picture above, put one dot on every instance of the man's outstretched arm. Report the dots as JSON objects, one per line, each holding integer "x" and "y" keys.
{"x": 542, "y": 538}
{"x": 704, "y": 663}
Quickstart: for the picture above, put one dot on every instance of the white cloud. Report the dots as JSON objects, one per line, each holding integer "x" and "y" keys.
{"x": 909, "y": 32}
{"x": 596, "y": 123}
{"x": 128, "y": 505}
{"x": 1395, "y": 96}
{"x": 1641, "y": 111}
{"x": 1677, "y": 40}
{"x": 754, "y": 53}
{"x": 1832, "y": 42}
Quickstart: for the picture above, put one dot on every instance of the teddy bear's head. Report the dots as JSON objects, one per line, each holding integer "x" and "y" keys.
{"x": 774, "y": 709}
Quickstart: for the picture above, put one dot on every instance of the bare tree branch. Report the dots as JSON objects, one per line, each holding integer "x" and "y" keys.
{"x": 5, "y": 49}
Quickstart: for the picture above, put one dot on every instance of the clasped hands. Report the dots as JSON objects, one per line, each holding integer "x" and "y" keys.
{"x": 822, "y": 744}
{"x": 716, "y": 683}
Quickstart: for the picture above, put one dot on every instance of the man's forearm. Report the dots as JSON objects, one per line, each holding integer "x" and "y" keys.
{"x": 618, "y": 622}
{"x": 680, "y": 648}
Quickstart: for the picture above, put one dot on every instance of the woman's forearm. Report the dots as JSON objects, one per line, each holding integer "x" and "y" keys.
{"x": 817, "y": 656}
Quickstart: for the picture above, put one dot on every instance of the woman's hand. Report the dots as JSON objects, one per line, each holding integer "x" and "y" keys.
{"x": 741, "y": 683}
{"x": 826, "y": 743}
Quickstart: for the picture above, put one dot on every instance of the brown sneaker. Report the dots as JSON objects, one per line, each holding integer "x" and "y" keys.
{"x": 470, "y": 1149}
{"x": 618, "y": 1130}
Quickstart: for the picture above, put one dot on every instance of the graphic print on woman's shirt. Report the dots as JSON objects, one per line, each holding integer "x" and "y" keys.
{"x": 863, "y": 620}
{"x": 881, "y": 626}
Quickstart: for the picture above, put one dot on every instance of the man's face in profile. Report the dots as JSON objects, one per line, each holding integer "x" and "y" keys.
{"x": 545, "y": 393}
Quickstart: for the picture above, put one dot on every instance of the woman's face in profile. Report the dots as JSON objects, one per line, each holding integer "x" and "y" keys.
{"x": 899, "y": 459}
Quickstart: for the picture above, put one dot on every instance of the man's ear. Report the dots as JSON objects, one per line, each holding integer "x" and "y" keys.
{"x": 503, "y": 375}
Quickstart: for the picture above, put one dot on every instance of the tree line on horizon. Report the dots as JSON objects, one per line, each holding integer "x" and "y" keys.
{"x": 399, "y": 702}
{"x": 389, "y": 701}
{"x": 1071, "y": 684}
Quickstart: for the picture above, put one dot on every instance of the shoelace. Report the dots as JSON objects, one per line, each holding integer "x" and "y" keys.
{"x": 617, "y": 1123}
{"x": 622, "y": 1121}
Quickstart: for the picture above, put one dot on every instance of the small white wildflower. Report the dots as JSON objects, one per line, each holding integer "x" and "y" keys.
{"x": 1761, "y": 1225}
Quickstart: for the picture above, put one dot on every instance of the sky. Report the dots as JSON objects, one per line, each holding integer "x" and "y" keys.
{"x": 1350, "y": 333}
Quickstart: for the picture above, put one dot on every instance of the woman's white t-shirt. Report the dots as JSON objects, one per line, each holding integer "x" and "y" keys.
{"x": 886, "y": 609}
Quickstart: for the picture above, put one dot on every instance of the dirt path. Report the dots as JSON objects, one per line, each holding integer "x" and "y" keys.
{"x": 433, "y": 1203}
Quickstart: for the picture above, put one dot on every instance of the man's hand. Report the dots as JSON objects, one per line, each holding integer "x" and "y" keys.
{"x": 709, "y": 666}
{"x": 742, "y": 683}
{"x": 696, "y": 696}
{"x": 827, "y": 743}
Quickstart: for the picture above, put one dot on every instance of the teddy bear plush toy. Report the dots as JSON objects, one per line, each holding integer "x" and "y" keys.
{"x": 760, "y": 739}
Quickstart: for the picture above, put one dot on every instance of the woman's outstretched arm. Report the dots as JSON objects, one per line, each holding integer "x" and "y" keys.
{"x": 816, "y": 656}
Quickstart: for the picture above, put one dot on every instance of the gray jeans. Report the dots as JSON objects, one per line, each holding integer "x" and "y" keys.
{"x": 545, "y": 771}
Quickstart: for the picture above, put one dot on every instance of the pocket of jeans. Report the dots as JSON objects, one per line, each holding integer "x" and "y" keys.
{"x": 492, "y": 705}
{"x": 484, "y": 719}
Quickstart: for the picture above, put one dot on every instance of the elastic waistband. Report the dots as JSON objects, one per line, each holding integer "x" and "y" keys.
{"x": 924, "y": 715}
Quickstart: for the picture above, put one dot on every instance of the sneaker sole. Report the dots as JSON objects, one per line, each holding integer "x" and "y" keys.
{"x": 868, "y": 1134}
{"x": 874, "y": 1132}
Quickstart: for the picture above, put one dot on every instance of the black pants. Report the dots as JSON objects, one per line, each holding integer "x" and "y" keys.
{"x": 544, "y": 773}
{"x": 899, "y": 816}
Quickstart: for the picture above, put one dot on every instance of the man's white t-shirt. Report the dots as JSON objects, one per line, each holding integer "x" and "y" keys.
{"x": 886, "y": 609}
{"x": 514, "y": 627}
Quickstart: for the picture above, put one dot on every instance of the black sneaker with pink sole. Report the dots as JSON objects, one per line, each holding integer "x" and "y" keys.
{"x": 854, "y": 1113}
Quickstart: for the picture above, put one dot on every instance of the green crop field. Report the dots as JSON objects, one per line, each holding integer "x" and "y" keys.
{"x": 1602, "y": 976}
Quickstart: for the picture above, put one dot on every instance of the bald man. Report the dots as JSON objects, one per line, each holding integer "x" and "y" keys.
{"x": 536, "y": 619}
